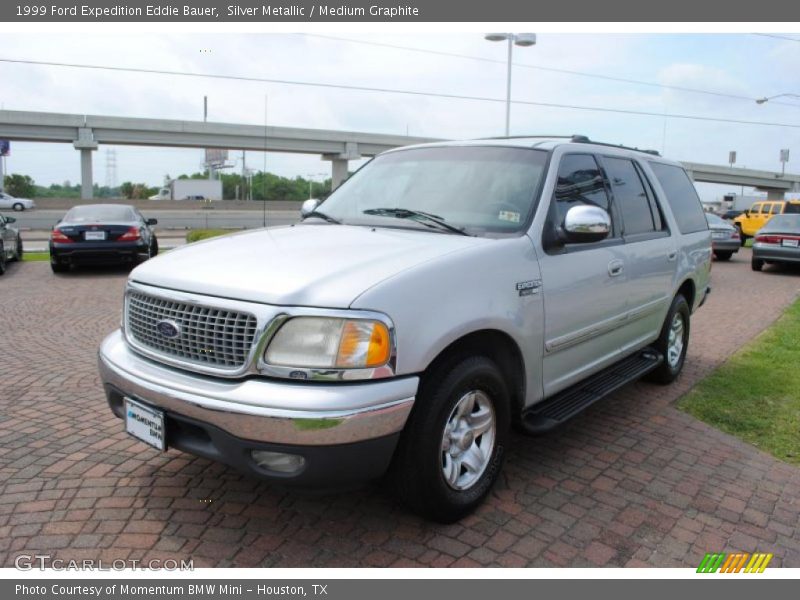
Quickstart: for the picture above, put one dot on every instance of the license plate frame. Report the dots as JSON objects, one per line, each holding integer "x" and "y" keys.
{"x": 148, "y": 427}
{"x": 790, "y": 243}
{"x": 94, "y": 236}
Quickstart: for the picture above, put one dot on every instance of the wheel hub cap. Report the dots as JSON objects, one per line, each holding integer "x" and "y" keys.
{"x": 468, "y": 440}
{"x": 675, "y": 341}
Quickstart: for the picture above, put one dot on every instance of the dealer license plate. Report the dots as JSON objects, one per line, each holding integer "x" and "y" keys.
{"x": 790, "y": 243}
{"x": 94, "y": 236}
{"x": 145, "y": 423}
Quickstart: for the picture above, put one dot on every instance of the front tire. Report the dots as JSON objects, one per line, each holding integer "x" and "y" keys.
{"x": 2, "y": 260}
{"x": 673, "y": 342}
{"x": 454, "y": 444}
{"x": 18, "y": 206}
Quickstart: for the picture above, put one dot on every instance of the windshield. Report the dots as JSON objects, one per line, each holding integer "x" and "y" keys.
{"x": 481, "y": 189}
{"x": 99, "y": 213}
{"x": 715, "y": 220}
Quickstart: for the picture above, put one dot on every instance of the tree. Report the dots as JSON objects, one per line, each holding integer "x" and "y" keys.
{"x": 126, "y": 189}
{"x": 21, "y": 186}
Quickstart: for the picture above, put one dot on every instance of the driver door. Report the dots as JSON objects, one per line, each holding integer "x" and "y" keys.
{"x": 584, "y": 284}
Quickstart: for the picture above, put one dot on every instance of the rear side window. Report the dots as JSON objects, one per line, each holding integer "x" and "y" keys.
{"x": 629, "y": 196}
{"x": 791, "y": 208}
{"x": 682, "y": 197}
{"x": 579, "y": 182}
{"x": 776, "y": 209}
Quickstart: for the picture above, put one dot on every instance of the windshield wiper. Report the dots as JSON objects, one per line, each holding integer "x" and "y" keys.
{"x": 425, "y": 218}
{"x": 323, "y": 216}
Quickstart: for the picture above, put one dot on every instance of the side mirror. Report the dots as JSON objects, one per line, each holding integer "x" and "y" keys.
{"x": 152, "y": 221}
{"x": 746, "y": 212}
{"x": 586, "y": 224}
{"x": 308, "y": 207}
{"x": 10, "y": 220}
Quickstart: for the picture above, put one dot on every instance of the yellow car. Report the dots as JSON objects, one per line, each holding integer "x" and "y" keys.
{"x": 754, "y": 218}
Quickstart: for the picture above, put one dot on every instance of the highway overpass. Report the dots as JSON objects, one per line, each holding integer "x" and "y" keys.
{"x": 87, "y": 132}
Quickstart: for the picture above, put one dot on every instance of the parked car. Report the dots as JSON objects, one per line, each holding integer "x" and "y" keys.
{"x": 94, "y": 234}
{"x": 725, "y": 238}
{"x": 754, "y": 218}
{"x": 777, "y": 242}
{"x": 18, "y": 204}
{"x": 442, "y": 293}
{"x": 10, "y": 242}
{"x": 730, "y": 215}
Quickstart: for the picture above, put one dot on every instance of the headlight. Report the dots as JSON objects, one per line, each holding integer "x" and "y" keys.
{"x": 330, "y": 343}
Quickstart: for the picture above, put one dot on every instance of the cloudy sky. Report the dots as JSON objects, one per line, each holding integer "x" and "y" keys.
{"x": 737, "y": 67}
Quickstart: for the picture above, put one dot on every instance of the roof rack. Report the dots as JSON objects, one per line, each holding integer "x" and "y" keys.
{"x": 583, "y": 139}
{"x": 523, "y": 137}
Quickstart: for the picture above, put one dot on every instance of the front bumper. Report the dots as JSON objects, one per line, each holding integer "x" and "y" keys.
{"x": 346, "y": 432}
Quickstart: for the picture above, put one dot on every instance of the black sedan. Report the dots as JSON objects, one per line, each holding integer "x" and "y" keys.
{"x": 777, "y": 242}
{"x": 95, "y": 234}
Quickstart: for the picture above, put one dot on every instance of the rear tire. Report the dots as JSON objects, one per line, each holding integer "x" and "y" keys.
{"x": 18, "y": 251}
{"x": 756, "y": 264}
{"x": 2, "y": 259}
{"x": 454, "y": 444}
{"x": 723, "y": 255}
{"x": 673, "y": 342}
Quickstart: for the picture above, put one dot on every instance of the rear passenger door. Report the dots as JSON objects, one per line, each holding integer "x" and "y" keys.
{"x": 649, "y": 250}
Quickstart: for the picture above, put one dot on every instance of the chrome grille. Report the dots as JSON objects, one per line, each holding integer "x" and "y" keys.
{"x": 207, "y": 335}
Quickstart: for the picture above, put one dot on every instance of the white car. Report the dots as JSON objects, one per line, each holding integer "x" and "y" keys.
{"x": 9, "y": 201}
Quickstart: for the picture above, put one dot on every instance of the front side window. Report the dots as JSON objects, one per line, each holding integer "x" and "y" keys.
{"x": 580, "y": 181}
{"x": 479, "y": 189}
{"x": 755, "y": 209}
{"x": 629, "y": 196}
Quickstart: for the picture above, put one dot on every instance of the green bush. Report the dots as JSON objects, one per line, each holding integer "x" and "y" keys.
{"x": 195, "y": 235}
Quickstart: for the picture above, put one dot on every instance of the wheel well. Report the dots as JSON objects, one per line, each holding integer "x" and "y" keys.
{"x": 687, "y": 291}
{"x": 500, "y": 348}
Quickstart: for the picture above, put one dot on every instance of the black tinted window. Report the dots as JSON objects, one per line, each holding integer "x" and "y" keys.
{"x": 579, "y": 182}
{"x": 792, "y": 208}
{"x": 100, "y": 213}
{"x": 682, "y": 197}
{"x": 629, "y": 196}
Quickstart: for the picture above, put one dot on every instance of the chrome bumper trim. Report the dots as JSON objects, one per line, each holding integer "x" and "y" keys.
{"x": 307, "y": 413}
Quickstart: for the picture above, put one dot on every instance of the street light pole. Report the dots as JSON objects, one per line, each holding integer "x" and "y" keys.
{"x": 767, "y": 99}
{"x": 522, "y": 40}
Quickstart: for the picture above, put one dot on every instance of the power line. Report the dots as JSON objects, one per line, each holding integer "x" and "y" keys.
{"x": 398, "y": 91}
{"x": 777, "y": 36}
{"x": 541, "y": 68}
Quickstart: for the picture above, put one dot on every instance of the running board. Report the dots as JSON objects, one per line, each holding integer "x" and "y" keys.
{"x": 554, "y": 411}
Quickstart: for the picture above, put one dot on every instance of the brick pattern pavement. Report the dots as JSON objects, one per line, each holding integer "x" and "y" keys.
{"x": 631, "y": 482}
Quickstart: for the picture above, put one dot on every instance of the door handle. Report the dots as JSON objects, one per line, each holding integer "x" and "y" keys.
{"x": 615, "y": 267}
{"x": 672, "y": 255}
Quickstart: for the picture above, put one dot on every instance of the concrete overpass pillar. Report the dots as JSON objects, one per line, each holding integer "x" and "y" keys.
{"x": 85, "y": 144}
{"x": 340, "y": 162}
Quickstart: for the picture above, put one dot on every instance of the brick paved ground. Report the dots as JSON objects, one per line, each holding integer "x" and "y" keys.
{"x": 632, "y": 481}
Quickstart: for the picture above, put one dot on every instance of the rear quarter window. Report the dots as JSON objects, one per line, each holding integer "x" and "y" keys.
{"x": 681, "y": 197}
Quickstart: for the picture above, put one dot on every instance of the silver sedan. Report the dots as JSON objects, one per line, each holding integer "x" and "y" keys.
{"x": 777, "y": 242}
{"x": 725, "y": 240}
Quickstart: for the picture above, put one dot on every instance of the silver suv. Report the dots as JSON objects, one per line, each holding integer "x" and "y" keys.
{"x": 441, "y": 295}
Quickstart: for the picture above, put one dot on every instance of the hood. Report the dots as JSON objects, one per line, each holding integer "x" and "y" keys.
{"x": 301, "y": 265}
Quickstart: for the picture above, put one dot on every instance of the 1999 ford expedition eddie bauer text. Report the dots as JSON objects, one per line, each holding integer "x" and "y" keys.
{"x": 440, "y": 295}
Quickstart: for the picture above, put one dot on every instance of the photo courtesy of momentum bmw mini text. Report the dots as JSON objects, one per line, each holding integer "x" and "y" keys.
{"x": 370, "y": 298}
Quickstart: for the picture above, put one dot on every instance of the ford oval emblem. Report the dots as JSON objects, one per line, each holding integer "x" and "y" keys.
{"x": 169, "y": 329}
